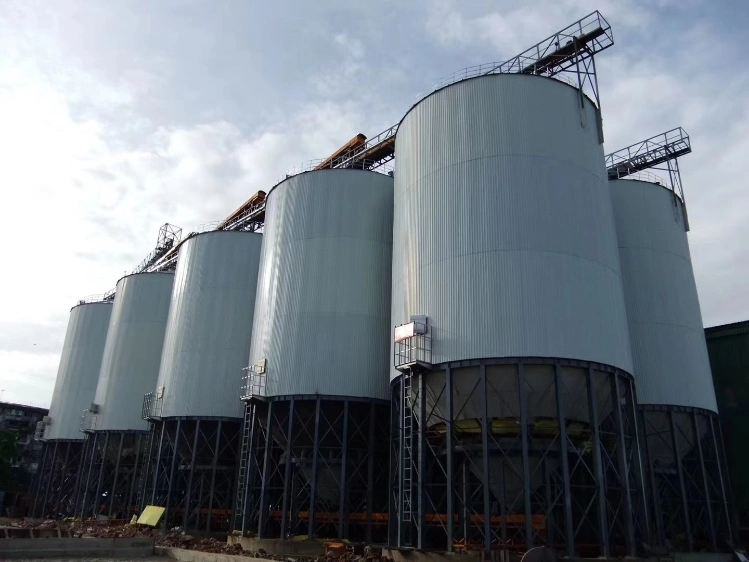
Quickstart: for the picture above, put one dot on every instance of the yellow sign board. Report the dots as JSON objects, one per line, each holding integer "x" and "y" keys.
{"x": 151, "y": 515}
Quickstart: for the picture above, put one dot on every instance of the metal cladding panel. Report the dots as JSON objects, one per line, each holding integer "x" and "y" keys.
{"x": 665, "y": 324}
{"x": 210, "y": 324}
{"x": 79, "y": 369}
{"x": 503, "y": 231}
{"x": 322, "y": 313}
{"x": 132, "y": 355}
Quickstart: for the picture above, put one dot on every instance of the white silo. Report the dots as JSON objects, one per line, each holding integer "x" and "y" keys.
{"x": 505, "y": 255}
{"x": 77, "y": 375}
{"x": 195, "y": 406}
{"x": 317, "y": 381}
{"x": 129, "y": 369}
{"x": 674, "y": 383}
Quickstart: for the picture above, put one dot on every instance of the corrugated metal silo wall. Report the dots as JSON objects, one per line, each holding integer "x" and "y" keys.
{"x": 210, "y": 324}
{"x": 728, "y": 349}
{"x": 665, "y": 324}
{"x": 79, "y": 369}
{"x": 503, "y": 229}
{"x": 132, "y": 354}
{"x": 323, "y": 298}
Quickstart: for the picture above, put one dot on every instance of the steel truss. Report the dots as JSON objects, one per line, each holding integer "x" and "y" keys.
{"x": 315, "y": 466}
{"x": 685, "y": 465}
{"x": 110, "y": 474}
{"x": 191, "y": 471}
{"x": 479, "y": 460}
{"x": 659, "y": 152}
{"x": 58, "y": 478}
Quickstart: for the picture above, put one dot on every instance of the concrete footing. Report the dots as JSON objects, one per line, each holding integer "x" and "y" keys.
{"x": 277, "y": 546}
{"x": 183, "y": 555}
{"x": 137, "y": 547}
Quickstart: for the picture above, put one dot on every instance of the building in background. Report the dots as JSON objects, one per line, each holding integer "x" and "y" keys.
{"x": 17, "y": 427}
{"x": 728, "y": 349}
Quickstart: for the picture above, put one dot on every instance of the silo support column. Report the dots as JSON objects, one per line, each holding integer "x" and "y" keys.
{"x": 526, "y": 461}
{"x": 103, "y": 457}
{"x": 132, "y": 491}
{"x": 156, "y": 467}
{"x": 708, "y": 502}
{"x": 720, "y": 459}
{"x": 450, "y": 460}
{"x": 40, "y": 479}
{"x": 598, "y": 468}
{"x": 262, "y": 518}
{"x": 623, "y": 468}
{"x": 562, "y": 421}
{"x": 213, "y": 473}
{"x": 188, "y": 492}
{"x": 170, "y": 483}
{"x": 313, "y": 484}
{"x": 370, "y": 470}
{"x": 682, "y": 485}
{"x": 116, "y": 474}
{"x": 64, "y": 472}
{"x": 91, "y": 442}
{"x": 287, "y": 471}
{"x": 344, "y": 465}
{"x": 485, "y": 429}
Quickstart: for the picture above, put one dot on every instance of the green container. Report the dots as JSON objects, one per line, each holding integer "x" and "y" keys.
{"x": 728, "y": 347}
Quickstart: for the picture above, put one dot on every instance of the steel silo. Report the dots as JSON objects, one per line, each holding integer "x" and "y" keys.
{"x": 129, "y": 369}
{"x": 74, "y": 390}
{"x": 196, "y": 400}
{"x": 317, "y": 380}
{"x": 509, "y": 316}
{"x": 675, "y": 389}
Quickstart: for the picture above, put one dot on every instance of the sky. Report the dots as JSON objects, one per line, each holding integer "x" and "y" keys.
{"x": 119, "y": 116}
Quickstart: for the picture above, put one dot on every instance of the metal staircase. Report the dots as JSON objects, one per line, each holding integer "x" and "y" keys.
{"x": 407, "y": 421}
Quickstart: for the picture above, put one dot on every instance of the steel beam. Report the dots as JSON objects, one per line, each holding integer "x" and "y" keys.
{"x": 156, "y": 467}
